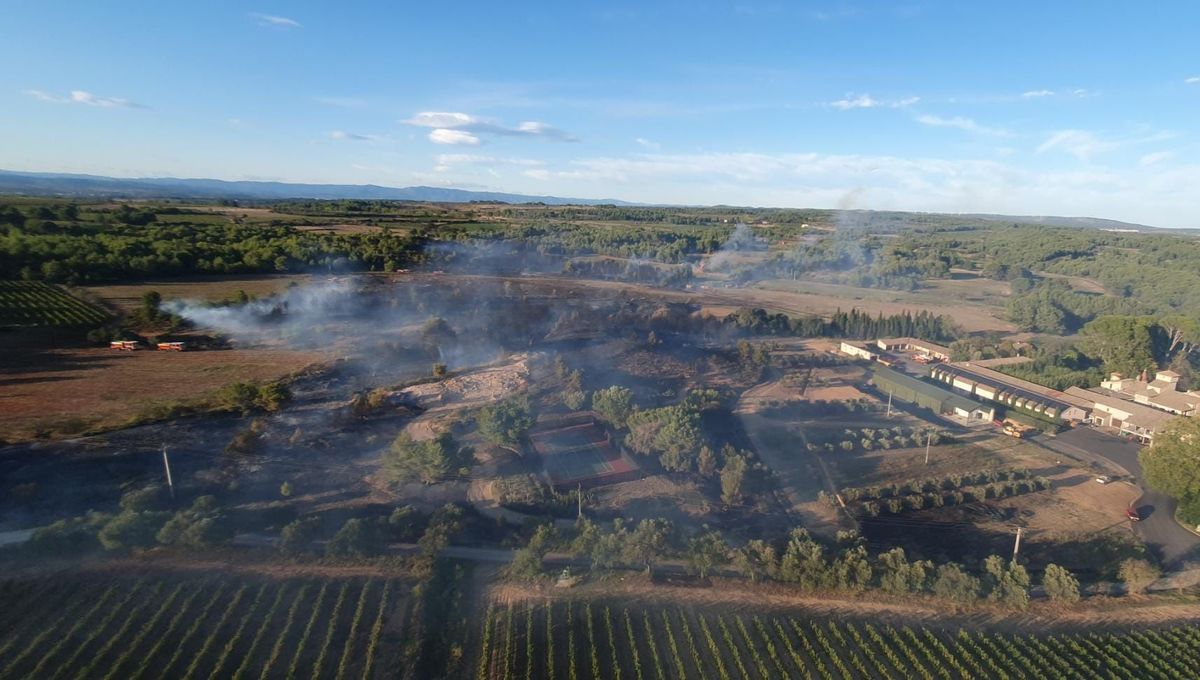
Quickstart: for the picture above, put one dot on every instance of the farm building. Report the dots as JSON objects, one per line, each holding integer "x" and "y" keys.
{"x": 858, "y": 350}
{"x": 1162, "y": 393}
{"x": 916, "y": 391}
{"x": 576, "y": 451}
{"x": 1129, "y": 417}
{"x": 914, "y": 345}
{"x": 1010, "y": 391}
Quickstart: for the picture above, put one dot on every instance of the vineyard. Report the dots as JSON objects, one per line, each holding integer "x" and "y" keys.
{"x": 31, "y": 303}
{"x": 120, "y": 627}
{"x": 594, "y": 640}
{"x": 189, "y": 627}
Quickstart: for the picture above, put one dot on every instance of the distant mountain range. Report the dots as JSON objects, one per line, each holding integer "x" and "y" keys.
{"x": 59, "y": 184}
{"x": 62, "y": 184}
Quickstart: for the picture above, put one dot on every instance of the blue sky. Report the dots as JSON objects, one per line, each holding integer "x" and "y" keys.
{"x": 1067, "y": 108}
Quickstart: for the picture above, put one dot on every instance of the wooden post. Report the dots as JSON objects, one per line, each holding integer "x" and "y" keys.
{"x": 167, "y": 467}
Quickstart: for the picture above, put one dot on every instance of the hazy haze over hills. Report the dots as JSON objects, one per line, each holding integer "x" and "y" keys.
{"x": 60, "y": 184}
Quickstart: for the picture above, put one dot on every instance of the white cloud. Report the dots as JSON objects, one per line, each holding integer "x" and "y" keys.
{"x": 862, "y": 101}
{"x": 447, "y": 162}
{"x": 448, "y": 136}
{"x": 86, "y": 98}
{"x": 1155, "y": 158}
{"x": 1079, "y": 143}
{"x": 648, "y": 144}
{"x": 1033, "y": 94}
{"x": 442, "y": 119}
{"x": 961, "y": 123}
{"x": 474, "y": 127}
{"x": 275, "y": 21}
{"x": 538, "y": 174}
{"x": 1086, "y": 146}
{"x": 1193, "y": 80}
{"x": 350, "y": 136}
{"x": 866, "y": 101}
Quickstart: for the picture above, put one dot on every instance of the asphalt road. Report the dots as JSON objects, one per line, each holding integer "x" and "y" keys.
{"x": 1175, "y": 546}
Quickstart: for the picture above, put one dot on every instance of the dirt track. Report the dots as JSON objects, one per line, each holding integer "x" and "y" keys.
{"x": 1097, "y": 613}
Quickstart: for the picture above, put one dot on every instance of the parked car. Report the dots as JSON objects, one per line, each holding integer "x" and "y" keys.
{"x": 1103, "y": 479}
{"x": 1132, "y": 514}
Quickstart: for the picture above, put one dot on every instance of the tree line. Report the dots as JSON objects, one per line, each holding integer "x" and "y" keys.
{"x": 853, "y": 324}
{"x": 86, "y": 254}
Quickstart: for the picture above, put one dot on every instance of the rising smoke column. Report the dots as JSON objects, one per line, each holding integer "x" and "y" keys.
{"x": 741, "y": 240}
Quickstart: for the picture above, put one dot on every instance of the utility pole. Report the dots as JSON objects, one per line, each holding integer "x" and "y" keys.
{"x": 167, "y": 467}
{"x": 1017, "y": 545}
{"x": 889, "y": 410}
{"x": 928, "y": 439}
{"x": 579, "y": 501}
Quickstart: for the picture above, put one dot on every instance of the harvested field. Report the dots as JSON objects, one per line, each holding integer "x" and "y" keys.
{"x": 128, "y": 297}
{"x": 825, "y": 298}
{"x": 69, "y": 391}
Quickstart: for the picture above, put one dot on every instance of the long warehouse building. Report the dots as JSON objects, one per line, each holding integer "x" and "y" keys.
{"x": 1011, "y": 391}
{"x": 927, "y": 395}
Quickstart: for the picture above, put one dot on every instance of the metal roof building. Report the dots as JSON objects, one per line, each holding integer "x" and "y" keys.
{"x": 927, "y": 395}
{"x": 1010, "y": 391}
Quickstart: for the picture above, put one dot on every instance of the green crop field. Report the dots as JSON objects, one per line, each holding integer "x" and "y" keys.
{"x": 193, "y": 627}
{"x": 595, "y": 640}
{"x": 32, "y": 303}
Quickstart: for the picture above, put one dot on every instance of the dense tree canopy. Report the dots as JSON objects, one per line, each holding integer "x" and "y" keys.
{"x": 505, "y": 423}
{"x": 428, "y": 461}
{"x": 1172, "y": 463}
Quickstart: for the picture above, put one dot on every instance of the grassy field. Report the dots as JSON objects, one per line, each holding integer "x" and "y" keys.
{"x": 583, "y": 640}
{"x": 32, "y": 303}
{"x": 195, "y": 627}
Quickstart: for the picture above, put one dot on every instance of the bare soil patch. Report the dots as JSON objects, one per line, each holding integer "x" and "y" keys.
{"x": 71, "y": 390}
{"x": 741, "y": 597}
{"x": 656, "y": 496}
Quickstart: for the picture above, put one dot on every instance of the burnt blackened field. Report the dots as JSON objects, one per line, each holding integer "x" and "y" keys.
{"x": 379, "y": 332}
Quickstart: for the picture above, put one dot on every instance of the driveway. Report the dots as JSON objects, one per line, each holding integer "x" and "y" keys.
{"x": 1175, "y": 546}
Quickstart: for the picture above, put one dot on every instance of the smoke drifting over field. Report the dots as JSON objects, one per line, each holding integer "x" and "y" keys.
{"x": 742, "y": 240}
{"x": 286, "y": 315}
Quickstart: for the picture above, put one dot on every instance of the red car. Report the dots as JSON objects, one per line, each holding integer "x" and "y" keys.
{"x": 1132, "y": 514}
